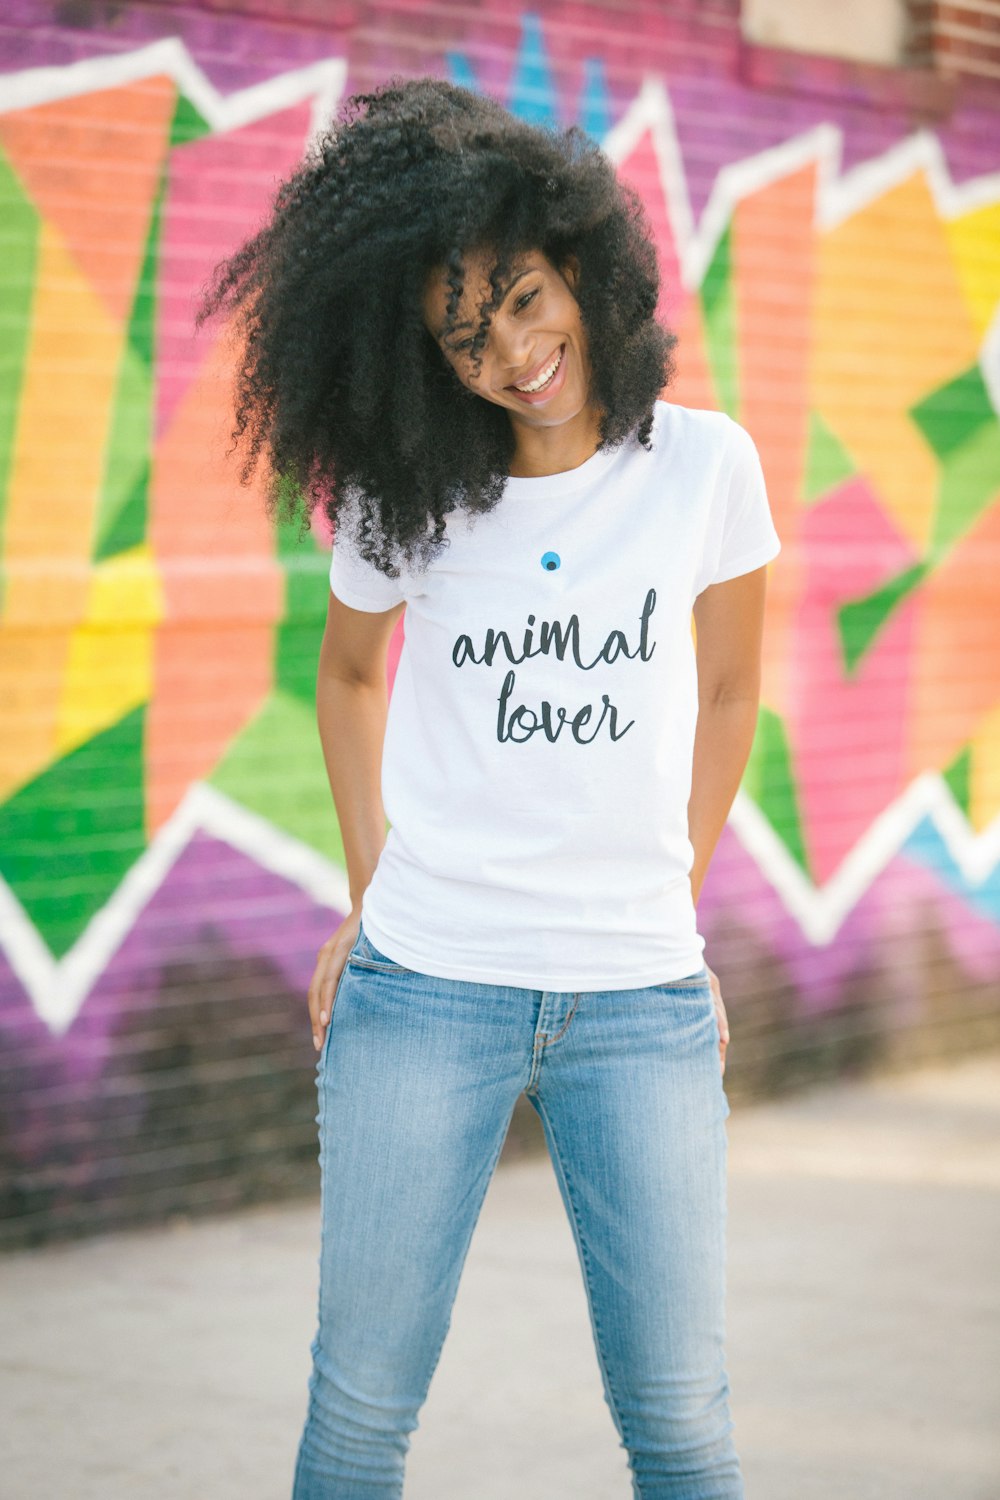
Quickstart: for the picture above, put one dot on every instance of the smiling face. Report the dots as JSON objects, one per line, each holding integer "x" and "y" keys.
{"x": 535, "y": 361}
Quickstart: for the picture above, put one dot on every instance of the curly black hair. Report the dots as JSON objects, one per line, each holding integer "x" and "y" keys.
{"x": 339, "y": 382}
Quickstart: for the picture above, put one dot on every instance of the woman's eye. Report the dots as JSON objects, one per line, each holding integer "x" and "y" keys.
{"x": 523, "y": 301}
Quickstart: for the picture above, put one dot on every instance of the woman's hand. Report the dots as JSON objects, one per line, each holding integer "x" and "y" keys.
{"x": 720, "y": 1011}
{"x": 330, "y": 963}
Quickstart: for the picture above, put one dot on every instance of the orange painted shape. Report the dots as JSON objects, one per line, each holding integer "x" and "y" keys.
{"x": 693, "y": 385}
{"x": 223, "y": 592}
{"x": 91, "y": 165}
{"x": 773, "y": 257}
{"x": 957, "y": 680}
{"x": 64, "y": 411}
{"x": 210, "y": 681}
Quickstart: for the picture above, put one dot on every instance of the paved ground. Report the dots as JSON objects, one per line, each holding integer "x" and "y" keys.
{"x": 864, "y": 1329}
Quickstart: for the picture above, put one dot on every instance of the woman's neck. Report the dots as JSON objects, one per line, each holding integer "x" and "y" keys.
{"x": 554, "y": 450}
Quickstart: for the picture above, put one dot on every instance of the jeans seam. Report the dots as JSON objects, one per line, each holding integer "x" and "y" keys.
{"x": 546, "y": 1039}
{"x": 585, "y": 1258}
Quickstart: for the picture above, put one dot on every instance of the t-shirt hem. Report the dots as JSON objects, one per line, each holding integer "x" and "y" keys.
{"x": 359, "y": 601}
{"x": 750, "y": 560}
{"x": 566, "y": 983}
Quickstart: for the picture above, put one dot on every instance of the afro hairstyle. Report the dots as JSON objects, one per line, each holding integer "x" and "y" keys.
{"x": 339, "y": 384}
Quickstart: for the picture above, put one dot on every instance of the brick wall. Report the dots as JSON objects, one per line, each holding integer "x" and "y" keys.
{"x": 169, "y": 854}
{"x": 956, "y": 40}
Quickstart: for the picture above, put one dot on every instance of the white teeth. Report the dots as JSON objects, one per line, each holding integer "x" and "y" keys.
{"x": 542, "y": 379}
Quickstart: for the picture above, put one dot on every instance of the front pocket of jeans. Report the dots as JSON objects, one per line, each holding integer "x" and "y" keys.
{"x": 699, "y": 980}
{"x": 365, "y": 955}
{"x": 378, "y": 966}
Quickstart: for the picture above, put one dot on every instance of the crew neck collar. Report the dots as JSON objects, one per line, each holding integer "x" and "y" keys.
{"x": 545, "y": 486}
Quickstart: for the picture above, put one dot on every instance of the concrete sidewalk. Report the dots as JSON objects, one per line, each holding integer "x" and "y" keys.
{"x": 864, "y": 1329}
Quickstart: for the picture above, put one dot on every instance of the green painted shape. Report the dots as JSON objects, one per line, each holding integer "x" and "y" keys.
{"x": 719, "y": 308}
{"x": 123, "y": 507}
{"x": 770, "y": 781}
{"x": 128, "y": 528}
{"x": 970, "y": 483}
{"x": 187, "y": 124}
{"x": 142, "y": 319}
{"x": 828, "y": 462}
{"x": 957, "y": 777}
{"x": 275, "y": 767}
{"x": 298, "y": 638}
{"x": 860, "y": 620}
{"x": 19, "y": 230}
{"x": 123, "y": 504}
{"x": 955, "y": 412}
{"x": 68, "y": 837}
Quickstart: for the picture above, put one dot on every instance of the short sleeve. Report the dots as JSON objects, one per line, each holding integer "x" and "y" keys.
{"x": 356, "y": 582}
{"x": 743, "y": 536}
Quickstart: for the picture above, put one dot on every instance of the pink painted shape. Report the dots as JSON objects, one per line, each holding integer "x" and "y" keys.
{"x": 219, "y": 191}
{"x": 641, "y": 170}
{"x": 848, "y": 734}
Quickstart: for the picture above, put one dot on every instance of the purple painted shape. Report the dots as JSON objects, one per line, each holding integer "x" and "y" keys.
{"x": 891, "y": 912}
{"x": 259, "y": 914}
{"x": 720, "y": 118}
{"x": 210, "y": 885}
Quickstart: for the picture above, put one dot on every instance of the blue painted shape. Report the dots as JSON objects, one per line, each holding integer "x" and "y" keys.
{"x": 532, "y": 96}
{"x": 551, "y": 561}
{"x": 595, "y": 103}
{"x": 926, "y": 847}
{"x": 460, "y": 71}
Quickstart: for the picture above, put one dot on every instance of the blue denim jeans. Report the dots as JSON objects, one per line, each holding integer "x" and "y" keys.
{"x": 417, "y": 1079}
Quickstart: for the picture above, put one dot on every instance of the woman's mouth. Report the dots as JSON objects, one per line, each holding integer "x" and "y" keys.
{"x": 546, "y": 382}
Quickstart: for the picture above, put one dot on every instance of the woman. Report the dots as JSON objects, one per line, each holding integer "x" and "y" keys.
{"x": 451, "y": 345}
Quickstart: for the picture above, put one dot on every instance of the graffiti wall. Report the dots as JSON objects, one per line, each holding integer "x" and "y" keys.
{"x": 169, "y": 852}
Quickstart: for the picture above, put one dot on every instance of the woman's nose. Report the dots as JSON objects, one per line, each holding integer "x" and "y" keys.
{"x": 518, "y": 356}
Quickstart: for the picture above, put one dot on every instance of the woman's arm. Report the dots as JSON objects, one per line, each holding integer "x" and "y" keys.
{"x": 352, "y": 702}
{"x": 729, "y": 622}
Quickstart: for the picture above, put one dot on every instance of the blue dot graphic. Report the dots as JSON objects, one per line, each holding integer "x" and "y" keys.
{"x": 551, "y": 561}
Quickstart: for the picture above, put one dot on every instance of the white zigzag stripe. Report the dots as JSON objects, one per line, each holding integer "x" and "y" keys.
{"x": 323, "y": 82}
{"x": 838, "y": 195}
{"x": 58, "y": 988}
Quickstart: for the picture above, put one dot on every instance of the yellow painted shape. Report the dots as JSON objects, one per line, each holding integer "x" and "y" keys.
{"x": 56, "y": 470}
{"x": 58, "y": 460}
{"x": 890, "y": 325}
{"x": 984, "y": 776}
{"x": 110, "y": 665}
{"x": 975, "y": 245}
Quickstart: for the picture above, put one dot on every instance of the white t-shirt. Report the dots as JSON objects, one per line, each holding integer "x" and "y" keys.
{"x": 538, "y": 750}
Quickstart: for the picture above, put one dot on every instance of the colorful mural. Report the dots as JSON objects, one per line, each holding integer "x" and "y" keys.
{"x": 834, "y": 276}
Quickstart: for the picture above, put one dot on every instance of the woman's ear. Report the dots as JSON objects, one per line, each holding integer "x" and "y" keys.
{"x": 571, "y": 270}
